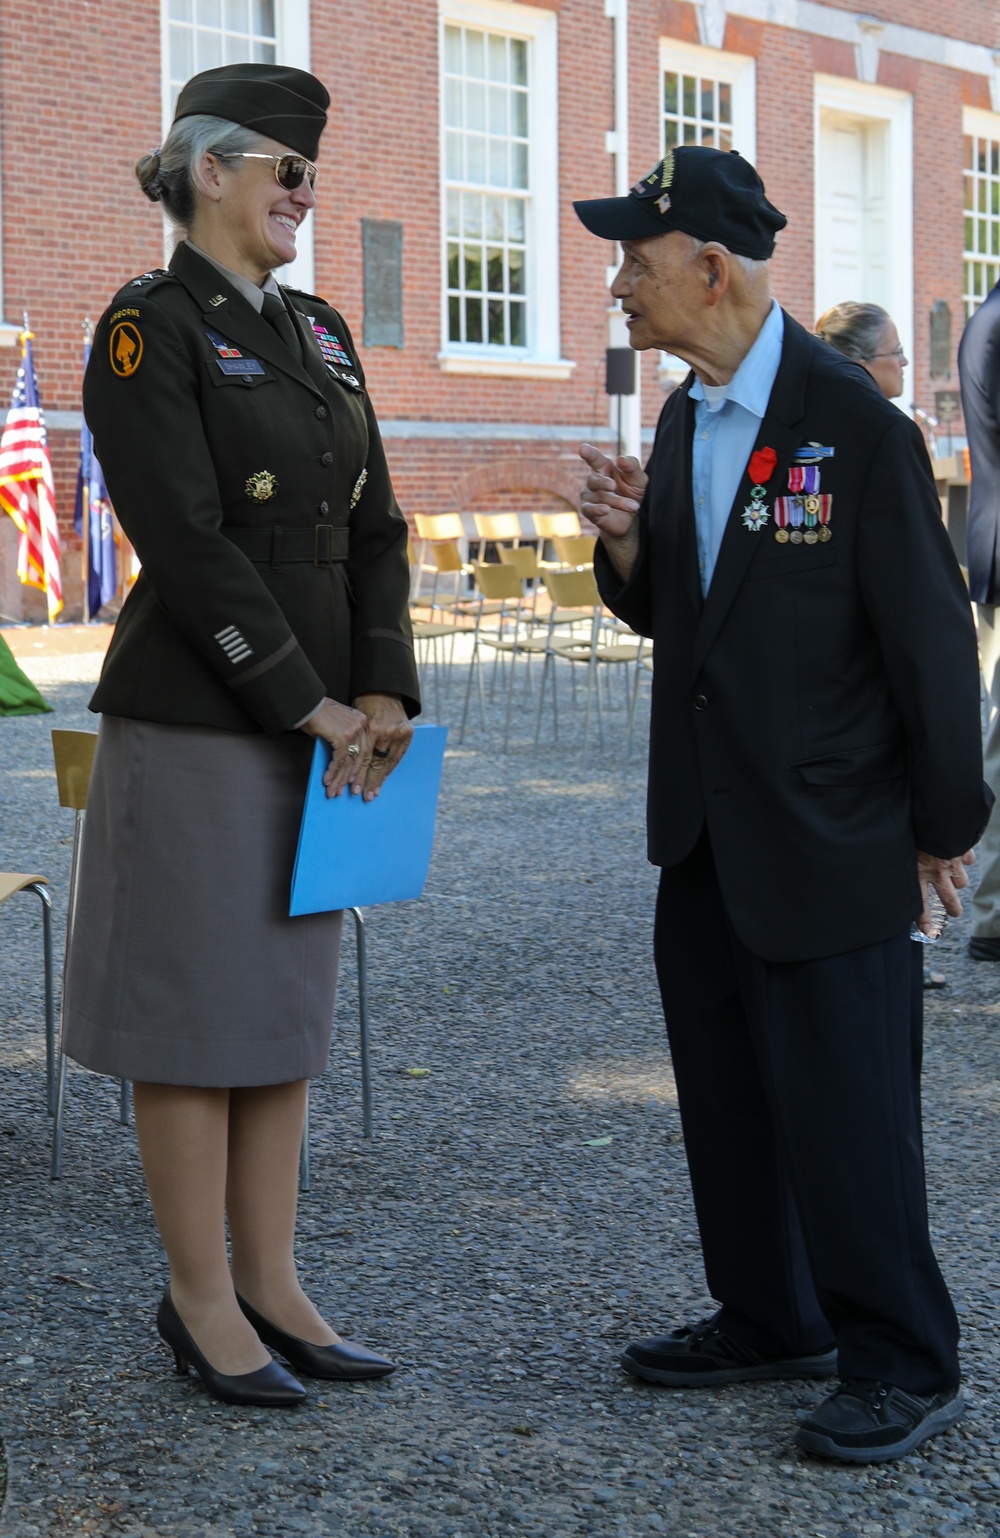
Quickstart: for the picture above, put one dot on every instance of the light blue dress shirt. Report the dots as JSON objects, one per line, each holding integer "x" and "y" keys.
{"x": 727, "y": 420}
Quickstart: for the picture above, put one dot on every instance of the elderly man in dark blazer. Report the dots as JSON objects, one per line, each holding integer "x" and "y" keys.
{"x": 815, "y": 768}
{"x": 979, "y": 375}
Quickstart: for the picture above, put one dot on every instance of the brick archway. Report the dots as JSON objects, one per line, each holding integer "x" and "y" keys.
{"x": 503, "y": 479}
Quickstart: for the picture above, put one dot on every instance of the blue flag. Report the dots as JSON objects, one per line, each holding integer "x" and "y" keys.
{"x": 101, "y": 577}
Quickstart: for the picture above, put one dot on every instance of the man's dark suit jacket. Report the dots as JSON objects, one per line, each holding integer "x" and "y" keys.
{"x": 979, "y": 375}
{"x": 820, "y": 708}
{"x": 237, "y": 469}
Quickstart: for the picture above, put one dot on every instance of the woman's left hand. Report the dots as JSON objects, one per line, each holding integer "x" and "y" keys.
{"x": 389, "y": 736}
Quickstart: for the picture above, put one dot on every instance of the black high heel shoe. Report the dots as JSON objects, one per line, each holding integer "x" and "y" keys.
{"x": 345, "y": 1359}
{"x": 271, "y": 1385}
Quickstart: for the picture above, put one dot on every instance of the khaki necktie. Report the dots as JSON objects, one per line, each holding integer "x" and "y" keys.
{"x": 276, "y": 315}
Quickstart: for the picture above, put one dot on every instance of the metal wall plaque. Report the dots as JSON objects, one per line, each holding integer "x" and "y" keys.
{"x": 940, "y": 340}
{"x": 382, "y": 246}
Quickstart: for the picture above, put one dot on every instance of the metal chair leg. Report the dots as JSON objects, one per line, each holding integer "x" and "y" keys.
{"x": 50, "y": 1012}
{"x": 304, "y": 1149}
{"x": 366, "y": 1076}
{"x": 55, "y": 1167}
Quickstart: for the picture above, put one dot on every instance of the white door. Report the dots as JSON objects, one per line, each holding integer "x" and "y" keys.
{"x": 852, "y": 258}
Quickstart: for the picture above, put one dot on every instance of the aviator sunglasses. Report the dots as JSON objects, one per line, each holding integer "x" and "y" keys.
{"x": 289, "y": 170}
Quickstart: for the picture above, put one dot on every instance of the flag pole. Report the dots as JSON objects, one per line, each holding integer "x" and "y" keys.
{"x": 88, "y": 332}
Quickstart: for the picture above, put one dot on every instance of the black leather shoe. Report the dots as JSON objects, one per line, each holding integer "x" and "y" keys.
{"x": 345, "y": 1359}
{"x": 984, "y": 948}
{"x": 864, "y": 1421}
{"x": 703, "y": 1355}
{"x": 272, "y": 1385}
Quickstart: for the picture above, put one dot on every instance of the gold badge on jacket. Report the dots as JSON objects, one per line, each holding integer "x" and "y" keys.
{"x": 261, "y": 486}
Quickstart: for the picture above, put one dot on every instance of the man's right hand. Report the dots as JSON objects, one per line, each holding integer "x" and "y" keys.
{"x": 611, "y": 497}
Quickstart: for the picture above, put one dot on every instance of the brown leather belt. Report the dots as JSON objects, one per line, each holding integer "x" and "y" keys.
{"x": 322, "y": 544}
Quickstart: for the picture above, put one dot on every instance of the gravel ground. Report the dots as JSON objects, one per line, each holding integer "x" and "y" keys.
{"x": 521, "y": 1215}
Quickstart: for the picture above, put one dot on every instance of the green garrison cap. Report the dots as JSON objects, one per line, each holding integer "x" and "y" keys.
{"x": 288, "y": 105}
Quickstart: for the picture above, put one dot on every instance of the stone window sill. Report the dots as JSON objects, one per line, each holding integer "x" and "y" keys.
{"x": 505, "y": 368}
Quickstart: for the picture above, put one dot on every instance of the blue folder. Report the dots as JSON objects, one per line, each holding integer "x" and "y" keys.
{"x": 354, "y": 853}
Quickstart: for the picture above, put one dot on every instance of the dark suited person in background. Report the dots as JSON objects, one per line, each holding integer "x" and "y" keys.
{"x": 815, "y": 768}
{"x": 244, "y": 461}
{"x": 979, "y": 376}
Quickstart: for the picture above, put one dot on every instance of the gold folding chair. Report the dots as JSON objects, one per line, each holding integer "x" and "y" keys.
{"x": 501, "y": 595}
{"x": 497, "y": 529}
{"x": 12, "y": 882}
{"x": 74, "y": 758}
{"x": 575, "y": 550}
{"x": 574, "y": 591}
{"x": 432, "y": 529}
{"x": 549, "y": 526}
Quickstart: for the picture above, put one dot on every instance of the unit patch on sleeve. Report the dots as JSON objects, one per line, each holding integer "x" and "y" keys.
{"x": 125, "y": 348}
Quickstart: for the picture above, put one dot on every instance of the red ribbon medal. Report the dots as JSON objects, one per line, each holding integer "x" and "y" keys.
{"x": 760, "y": 469}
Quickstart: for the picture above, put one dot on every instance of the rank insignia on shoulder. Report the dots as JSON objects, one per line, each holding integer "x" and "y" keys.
{"x": 125, "y": 348}
{"x": 359, "y": 486}
{"x": 147, "y": 277}
{"x": 261, "y": 486}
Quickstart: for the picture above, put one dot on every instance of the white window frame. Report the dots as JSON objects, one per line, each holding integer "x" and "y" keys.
{"x": 977, "y": 123}
{"x": 293, "y": 48}
{"x": 736, "y": 69}
{"x": 542, "y": 357}
{"x": 895, "y": 109}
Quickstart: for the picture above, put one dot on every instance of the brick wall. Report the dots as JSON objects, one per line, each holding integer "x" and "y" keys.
{"x": 75, "y": 225}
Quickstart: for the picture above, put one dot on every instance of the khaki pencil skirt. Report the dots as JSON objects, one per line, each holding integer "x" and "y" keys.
{"x": 185, "y": 967}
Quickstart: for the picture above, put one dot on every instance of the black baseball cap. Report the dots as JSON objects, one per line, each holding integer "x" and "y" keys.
{"x": 281, "y": 103}
{"x": 711, "y": 194}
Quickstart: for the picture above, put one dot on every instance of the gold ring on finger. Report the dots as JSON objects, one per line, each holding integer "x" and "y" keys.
{"x": 353, "y": 750}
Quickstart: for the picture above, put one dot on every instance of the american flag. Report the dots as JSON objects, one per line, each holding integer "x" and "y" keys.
{"x": 26, "y": 488}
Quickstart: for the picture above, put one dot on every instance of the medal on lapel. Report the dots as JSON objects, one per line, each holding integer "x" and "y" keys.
{"x": 807, "y": 512}
{"x": 760, "y": 469}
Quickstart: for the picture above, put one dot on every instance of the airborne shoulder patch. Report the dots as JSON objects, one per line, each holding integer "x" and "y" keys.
{"x": 125, "y": 348}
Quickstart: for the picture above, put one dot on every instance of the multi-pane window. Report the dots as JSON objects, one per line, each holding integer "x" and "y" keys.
{"x": 697, "y": 110}
{"x": 487, "y": 186}
{"x": 982, "y": 217}
{"x": 206, "y": 33}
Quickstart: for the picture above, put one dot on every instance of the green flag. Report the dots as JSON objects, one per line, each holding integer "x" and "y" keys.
{"x": 18, "y": 695}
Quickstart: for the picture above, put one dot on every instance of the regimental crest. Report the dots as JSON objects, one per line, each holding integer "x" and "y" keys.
{"x": 261, "y": 486}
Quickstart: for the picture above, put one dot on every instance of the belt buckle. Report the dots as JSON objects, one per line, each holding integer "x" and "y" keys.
{"x": 323, "y": 536}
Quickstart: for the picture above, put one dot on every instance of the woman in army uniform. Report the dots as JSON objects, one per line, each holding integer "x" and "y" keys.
{"x": 244, "y": 461}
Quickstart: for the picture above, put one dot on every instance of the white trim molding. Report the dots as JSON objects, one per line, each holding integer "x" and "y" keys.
{"x": 292, "y": 47}
{"x": 894, "y": 110}
{"x": 541, "y": 357}
{"x": 869, "y": 36}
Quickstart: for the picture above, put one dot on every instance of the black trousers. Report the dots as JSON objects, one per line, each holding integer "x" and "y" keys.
{"x": 799, "y": 1092}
